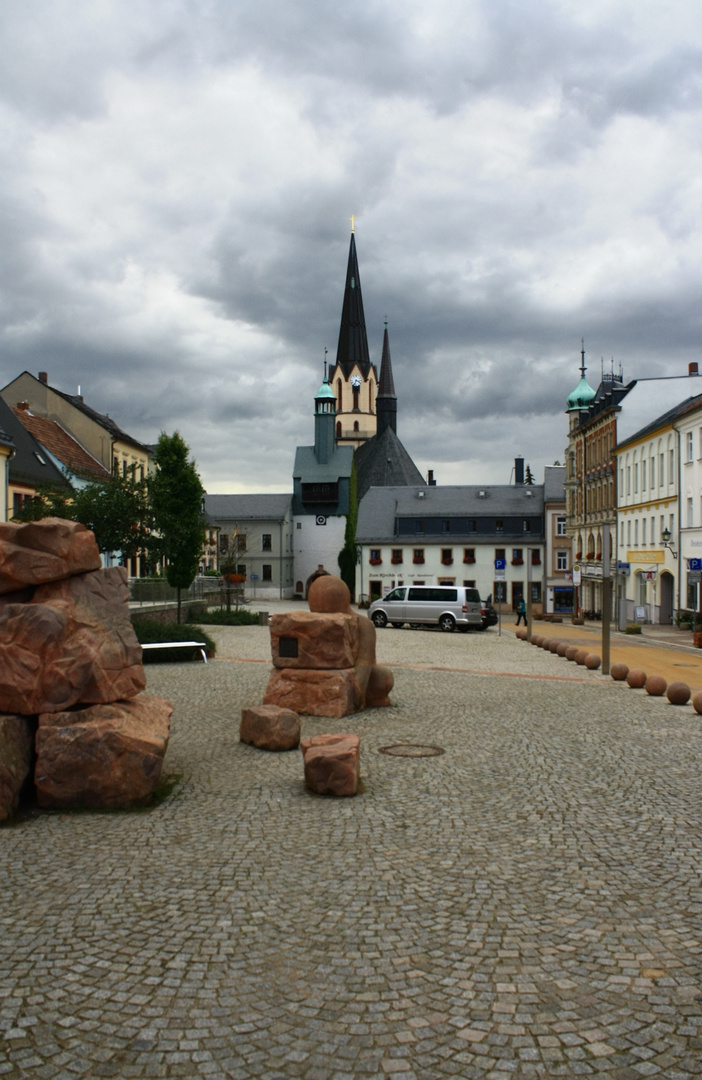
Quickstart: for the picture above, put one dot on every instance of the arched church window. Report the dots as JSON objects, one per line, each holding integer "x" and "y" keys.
{"x": 355, "y": 425}
{"x": 338, "y": 429}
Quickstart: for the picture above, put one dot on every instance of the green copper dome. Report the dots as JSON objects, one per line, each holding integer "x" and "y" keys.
{"x": 581, "y": 398}
{"x": 325, "y": 391}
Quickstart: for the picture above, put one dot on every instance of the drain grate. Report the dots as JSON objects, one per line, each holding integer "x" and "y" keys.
{"x": 412, "y": 750}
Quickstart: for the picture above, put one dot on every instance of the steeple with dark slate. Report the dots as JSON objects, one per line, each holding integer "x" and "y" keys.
{"x": 386, "y": 401}
{"x": 353, "y": 342}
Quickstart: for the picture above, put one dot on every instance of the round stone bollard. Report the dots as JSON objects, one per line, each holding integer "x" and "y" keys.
{"x": 656, "y": 685}
{"x": 592, "y": 661}
{"x": 553, "y": 647}
{"x": 636, "y": 678}
{"x": 546, "y": 644}
{"x": 536, "y": 639}
{"x": 619, "y": 672}
{"x": 521, "y": 633}
{"x": 561, "y": 650}
{"x": 697, "y": 701}
{"x": 571, "y": 652}
{"x": 678, "y": 693}
{"x": 581, "y": 656}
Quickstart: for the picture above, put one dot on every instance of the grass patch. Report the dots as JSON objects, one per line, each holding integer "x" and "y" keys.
{"x": 151, "y": 631}
{"x": 227, "y": 618}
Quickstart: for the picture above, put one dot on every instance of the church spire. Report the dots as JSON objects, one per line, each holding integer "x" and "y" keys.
{"x": 386, "y": 401}
{"x": 353, "y": 342}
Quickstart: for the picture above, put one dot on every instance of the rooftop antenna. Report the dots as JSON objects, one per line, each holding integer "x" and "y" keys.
{"x": 583, "y": 369}
{"x": 325, "y": 363}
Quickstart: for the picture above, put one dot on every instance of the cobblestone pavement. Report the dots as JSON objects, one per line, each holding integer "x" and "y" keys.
{"x": 527, "y": 904}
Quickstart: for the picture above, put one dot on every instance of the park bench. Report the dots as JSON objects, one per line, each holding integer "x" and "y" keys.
{"x": 198, "y": 646}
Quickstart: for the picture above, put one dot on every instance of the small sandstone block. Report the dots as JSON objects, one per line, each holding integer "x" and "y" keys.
{"x": 655, "y": 685}
{"x": 314, "y": 693}
{"x": 581, "y": 656}
{"x": 332, "y": 764}
{"x": 619, "y": 672}
{"x": 592, "y": 661}
{"x": 678, "y": 693}
{"x": 636, "y": 678}
{"x": 270, "y": 727}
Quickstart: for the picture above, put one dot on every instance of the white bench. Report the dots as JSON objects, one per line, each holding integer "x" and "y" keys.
{"x": 179, "y": 645}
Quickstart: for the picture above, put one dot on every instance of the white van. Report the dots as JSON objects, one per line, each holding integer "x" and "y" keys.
{"x": 447, "y": 606}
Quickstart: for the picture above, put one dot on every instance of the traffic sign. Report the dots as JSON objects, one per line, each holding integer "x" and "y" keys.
{"x": 624, "y": 569}
{"x": 500, "y": 575}
{"x": 500, "y": 564}
{"x": 694, "y": 577}
{"x": 576, "y": 574}
{"x": 695, "y": 564}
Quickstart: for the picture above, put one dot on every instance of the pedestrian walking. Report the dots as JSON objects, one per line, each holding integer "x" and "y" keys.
{"x": 521, "y": 612}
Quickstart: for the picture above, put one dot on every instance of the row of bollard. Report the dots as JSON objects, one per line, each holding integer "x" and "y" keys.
{"x": 678, "y": 693}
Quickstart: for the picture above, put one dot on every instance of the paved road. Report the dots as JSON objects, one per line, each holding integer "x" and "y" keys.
{"x": 527, "y": 904}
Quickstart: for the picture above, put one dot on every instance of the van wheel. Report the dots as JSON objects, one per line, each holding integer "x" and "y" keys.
{"x": 447, "y": 623}
{"x": 380, "y": 619}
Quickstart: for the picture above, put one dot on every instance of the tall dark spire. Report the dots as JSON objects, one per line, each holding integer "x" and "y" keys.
{"x": 353, "y": 342}
{"x": 386, "y": 401}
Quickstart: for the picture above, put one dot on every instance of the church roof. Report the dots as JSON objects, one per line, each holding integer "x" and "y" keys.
{"x": 247, "y": 507}
{"x": 384, "y": 462}
{"x": 353, "y": 341}
{"x": 386, "y": 384}
{"x": 309, "y": 470}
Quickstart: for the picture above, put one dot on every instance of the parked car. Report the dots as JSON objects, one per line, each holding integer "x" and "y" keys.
{"x": 447, "y": 606}
{"x": 488, "y": 615}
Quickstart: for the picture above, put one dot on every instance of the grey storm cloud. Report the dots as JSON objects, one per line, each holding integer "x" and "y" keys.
{"x": 178, "y": 181}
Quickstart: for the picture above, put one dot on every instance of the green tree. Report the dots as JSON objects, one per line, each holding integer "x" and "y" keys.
{"x": 529, "y": 478}
{"x": 347, "y": 557}
{"x": 118, "y": 513}
{"x": 48, "y": 502}
{"x": 176, "y": 494}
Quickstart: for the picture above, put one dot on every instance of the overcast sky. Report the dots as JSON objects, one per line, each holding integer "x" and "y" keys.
{"x": 178, "y": 178}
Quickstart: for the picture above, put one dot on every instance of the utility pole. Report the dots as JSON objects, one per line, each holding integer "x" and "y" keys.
{"x": 606, "y": 599}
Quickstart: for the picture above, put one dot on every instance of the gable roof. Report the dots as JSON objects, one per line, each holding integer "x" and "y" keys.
{"x": 383, "y": 462}
{"x": 62, "y": 445}
{"x": 247, "y": 507}
{"x": 29, "y": 466}
{"x": 353, "y": 341}
{"x": 664, "y": 420}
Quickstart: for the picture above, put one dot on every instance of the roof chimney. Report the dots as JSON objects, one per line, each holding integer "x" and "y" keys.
{"x": 430, "y": 478}
{"x": 519, "y": 470}
{"x": 23, "y": 406}
{"x": 44, "y": 377}
{"x": 693, "y": 368}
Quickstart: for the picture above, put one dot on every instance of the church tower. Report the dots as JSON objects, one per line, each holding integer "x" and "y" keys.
{"x": 353, "y": 379}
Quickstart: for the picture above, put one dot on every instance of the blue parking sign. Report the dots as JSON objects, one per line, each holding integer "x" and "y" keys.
{"x": 695, "y": 564}
{"x": 500, "y": 564}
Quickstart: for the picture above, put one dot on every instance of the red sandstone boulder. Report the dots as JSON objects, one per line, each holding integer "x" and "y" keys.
{"x": 42, "y": 551}
{"x": 72, "y": 643}
{"x": 104, "y": 756}
{"x": 270, "y": 728}
{"x": 16, "y": 753}
{"x": 636, "y": 678}
{"x": 313, "y": 692}
{"x": 320, "y": 641}
{"x": 619, "y": 672}
{"x": 655, "y": 685}
{"x": 678, "y": 693}
{"x": 332, "y": 763}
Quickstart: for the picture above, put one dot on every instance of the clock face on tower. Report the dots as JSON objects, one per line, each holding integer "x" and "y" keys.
{"x": 356, "y": 381}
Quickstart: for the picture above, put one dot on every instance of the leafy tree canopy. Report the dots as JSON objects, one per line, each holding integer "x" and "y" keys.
{"x": 176, "y": 494}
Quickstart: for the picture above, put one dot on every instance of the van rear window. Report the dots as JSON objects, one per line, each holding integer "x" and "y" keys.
{"x": 438, "y": 595}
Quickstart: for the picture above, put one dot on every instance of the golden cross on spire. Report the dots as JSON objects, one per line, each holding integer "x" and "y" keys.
{"x": 353, "y": 223}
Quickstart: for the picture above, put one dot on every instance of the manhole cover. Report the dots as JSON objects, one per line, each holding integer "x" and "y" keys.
{"x": 412, "y": 750}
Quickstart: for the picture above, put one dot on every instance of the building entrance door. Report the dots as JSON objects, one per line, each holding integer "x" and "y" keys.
{"x": 517, "y": 593}
{"x": 667, "y": 582}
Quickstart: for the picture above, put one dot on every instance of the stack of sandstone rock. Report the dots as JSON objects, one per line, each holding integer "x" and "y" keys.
{"x": 71, "y": 677}
{"x": 324, "y": 665}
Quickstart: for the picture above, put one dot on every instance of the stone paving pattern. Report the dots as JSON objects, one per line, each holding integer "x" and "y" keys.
{"x": 526, "y": 905}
